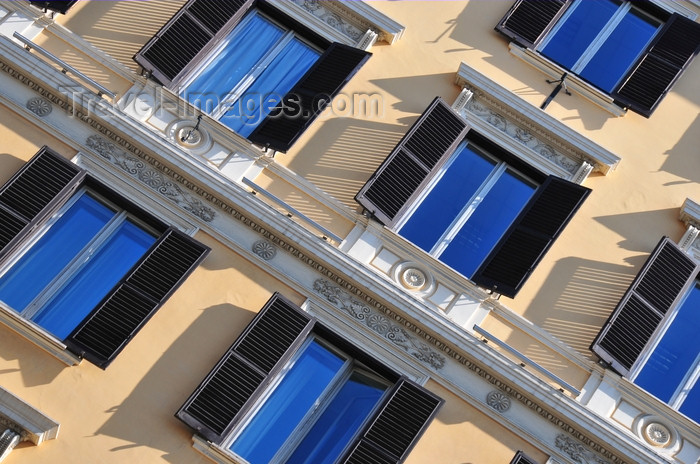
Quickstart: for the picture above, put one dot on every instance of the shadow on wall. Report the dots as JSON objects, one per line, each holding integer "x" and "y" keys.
{"x": 176, "y": 374}
{"x": 678, "y": 162}
{"x": 350, "y": 151}
{"x": 414, "y": 93}
{"x": 581, "y": 296}
{"x": 103, "y": 25}
{"x": 642, "y": 231}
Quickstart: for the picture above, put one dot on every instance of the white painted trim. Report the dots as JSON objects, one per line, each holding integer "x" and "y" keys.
{"x": 690, "y": 213}
{"x": 37, "y": 335}
{"x": 37, "y": 426}
{"x": 577, "y": 145}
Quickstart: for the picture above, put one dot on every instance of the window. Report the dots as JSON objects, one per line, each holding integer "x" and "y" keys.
{"x": 309, "y": 397}
{"x": 651, "y": 336}
{"x": 466, "y": 201}
{"x": 83, "y": 263}
{"x": 246, "y": 63}
{"x": 250, "y": 73}
{"x": 522, "y": 458}
{"x": 632, "y": 50}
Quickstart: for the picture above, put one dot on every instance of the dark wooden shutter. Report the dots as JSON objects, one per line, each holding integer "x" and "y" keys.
{"x": 522, "y": 458}
{"x": 660, "y": 65}
{"x": 33, "y": 193}
{"x": 661, "y": 282}
{"x": 277, "y": 330}
{"x": 528, "y": 21}
{"x": 57, "y": 6}
{"x": 516, "y": 254}
{"x": 189, "y": 35}
{"x": 396, "y": 427}
{"x": 424, "y": 148}
{"x": 314, "y": 91}
{"x": 144, "y": 289}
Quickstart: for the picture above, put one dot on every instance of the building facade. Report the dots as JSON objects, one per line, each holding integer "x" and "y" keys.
{"x": 369, "y": 232}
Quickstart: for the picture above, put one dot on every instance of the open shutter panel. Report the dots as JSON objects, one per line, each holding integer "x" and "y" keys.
{"x": 57, "y": 6}
{"x": 396, "y": 427}
{"x": 216, "y": 404}
{"x": 516, "y": 254}
{"x": 426, "y": 145}
{"x": 316, "y": 89}
{"x": 662, "y": 280}
{"x": 528, "y": 21}
{"x": 143, "y": 290}
{"x": 659, "y": 67}
{"x": 191, "y": 33}
{"x": 33, "y": 193}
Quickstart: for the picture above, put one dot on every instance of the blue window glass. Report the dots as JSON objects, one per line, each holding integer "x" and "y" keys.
{"x": 599, "y": 40}
{"x": 620, "y": 50}
{"x": 104, "y": 269}
{"x": 578, "y": 30}
{"x": 39, "y": 266}
{"x": 674, "y": 356}
{"x": 259, "y": 63}
{"x": 339, "y": 422}
{"x": 288, "y": 404}
{"x": 448, "y": 198}
{"x": 468, "y": 209}
{"x": 73, "y": 265}
{"x": 691, "y": 404}
{"x": 487, "y": 224}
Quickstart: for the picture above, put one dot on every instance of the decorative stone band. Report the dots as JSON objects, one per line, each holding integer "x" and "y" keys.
{"x": 8, "y": 440}
{"x": 576, "y": 451}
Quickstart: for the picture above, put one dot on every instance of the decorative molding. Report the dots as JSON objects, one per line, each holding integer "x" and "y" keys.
{"x": 319, "y": 10}
{"x": 8, "y": 440}
{"x": 213, "y": 200}
{"x": 150, "y": 177}
{"x": 544, "y": 127}
{"x": 367, "y": 40}
{"x": 7, "y": 424}
{"x": 30, "y": 423}
{"x": 413, "y": 278}
{"x": 498, "y": 401}
{"x": 690, "y": 213}
{"x": 576, "y": 451}
{"x": 582, "y": 173}
{"x": 379, "y": 323}
{"x": 264, "y": 249}
{"x": 657, "y": 434}
{"x": 39, "y": 106}
{"x": 521, "y": 135}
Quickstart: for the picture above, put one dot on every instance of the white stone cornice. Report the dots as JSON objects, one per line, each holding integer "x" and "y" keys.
{"x": 690, "y": 213}
{"x": 34, "y": 425}
{"x": 530, "y": 121}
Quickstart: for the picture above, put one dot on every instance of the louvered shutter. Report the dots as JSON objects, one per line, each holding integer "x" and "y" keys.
{"x": 396, "y": 427}
{"x": 33, "y": 193}
{"x": 661, "y": 282}
{"x": 58, "y": 6}
{"x": 516, "y": 254}
{"x": 522, "y": 458}
{"x": 528, "y": 21}
{"x": 314, "y": 91}
{"x": 277, "y": 330}
{"x": 659, "y": 67}
{"x": 189, "y": 36}
{"x": 144, "y": 289}
{"x": 425, "y": 147}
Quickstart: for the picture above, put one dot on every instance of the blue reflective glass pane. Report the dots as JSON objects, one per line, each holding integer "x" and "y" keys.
{"x": 53, "y": 252}
{"x": 579, "y": 29}
{"x": 445, "y": 201}
{"x": 487, "y": 224}
{"x": 268, "y": 89}
{"x": 691, "y": 405}
{"x": 619, "y": 51}
{"x": 675, "y": 353}
{"x": 88, "y": 286}
{"x": 287, "y": 405}
{"x": 342, "y": 418}
{"x": 247, "y": 45}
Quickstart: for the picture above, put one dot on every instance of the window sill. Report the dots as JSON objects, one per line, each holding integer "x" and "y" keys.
{"x": 214, "y": 452}
{"x": 36, "y": 335}
{"x": 574, "y": 83}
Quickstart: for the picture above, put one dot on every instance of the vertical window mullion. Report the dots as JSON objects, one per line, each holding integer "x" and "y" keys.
{"x": 469, "y": 209}
{"x": 688, "y": 383}
{"x": 601, "y": 37}
{"x": 80, "y": 260}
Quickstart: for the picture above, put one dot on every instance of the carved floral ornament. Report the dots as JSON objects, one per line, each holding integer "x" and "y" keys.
{"x": 578, "y": 453}
{"x": 152, "y": 178}
{"x": 39, "y": 106}
{"x": 498, "y": 400}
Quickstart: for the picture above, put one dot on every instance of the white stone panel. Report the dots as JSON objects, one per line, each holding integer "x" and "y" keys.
{"x": 625, "y": 414}
{"x": 442, "y": 297}
{"x": 385, "y": 260}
